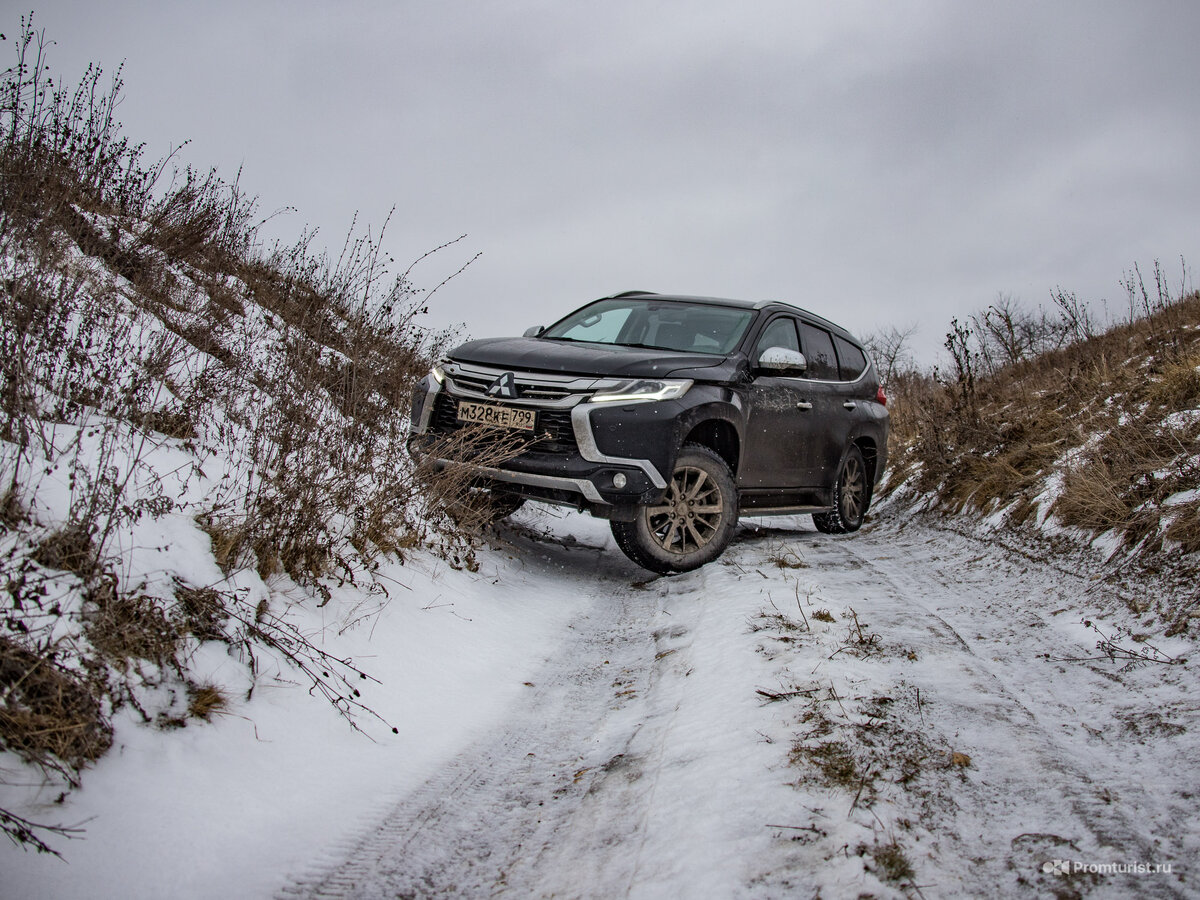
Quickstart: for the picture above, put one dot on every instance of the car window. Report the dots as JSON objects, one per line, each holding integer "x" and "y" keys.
{"x": 779, "y": 333}
{"x": 668, "y": 325}
{"x": 851, "y": 360}
{"x": 601, "y": 326}
{"x": 818, "y": 350}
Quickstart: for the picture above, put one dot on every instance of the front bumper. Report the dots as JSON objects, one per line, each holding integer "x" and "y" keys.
{"x": 591, "y": 454}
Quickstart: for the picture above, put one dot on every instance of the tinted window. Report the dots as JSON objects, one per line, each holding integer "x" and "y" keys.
{"x": 851, "y": 360}
{"x": 818, "y": 349}
{"x": 780, "y": 333}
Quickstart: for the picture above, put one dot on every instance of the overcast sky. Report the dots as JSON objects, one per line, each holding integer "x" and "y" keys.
{"x": 884, "y": 163}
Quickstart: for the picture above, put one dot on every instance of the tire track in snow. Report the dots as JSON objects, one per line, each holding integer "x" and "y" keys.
{"x": 561, "y": 801}
{"x": 494, "y": 820}
{"x": 1053, "y": 772}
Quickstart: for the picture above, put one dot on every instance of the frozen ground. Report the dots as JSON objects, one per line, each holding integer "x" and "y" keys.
{"x": 910, "y": 711}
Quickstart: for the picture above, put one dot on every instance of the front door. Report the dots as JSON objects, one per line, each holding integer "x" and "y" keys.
{"x": 783, "y": 430}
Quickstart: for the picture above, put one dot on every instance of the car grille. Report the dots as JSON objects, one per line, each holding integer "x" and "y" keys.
{"x": 526, "y": 388}
{"x": 554, "y": 433}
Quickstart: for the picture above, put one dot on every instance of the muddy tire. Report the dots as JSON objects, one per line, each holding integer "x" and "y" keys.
{"x": 852, "y": 496}
{"x": 694, "y": 522}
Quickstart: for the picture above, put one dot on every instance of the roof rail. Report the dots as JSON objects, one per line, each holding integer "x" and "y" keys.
{"x": 632, "y": 294}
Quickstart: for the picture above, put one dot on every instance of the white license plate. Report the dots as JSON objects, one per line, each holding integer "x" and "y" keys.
{"x": 497, "y": 416}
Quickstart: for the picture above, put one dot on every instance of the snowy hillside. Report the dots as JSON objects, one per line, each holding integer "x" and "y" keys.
{"x": 246, "y": 654}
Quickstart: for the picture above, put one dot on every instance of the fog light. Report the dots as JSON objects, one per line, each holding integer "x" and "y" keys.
{"x": 619, "y": 480}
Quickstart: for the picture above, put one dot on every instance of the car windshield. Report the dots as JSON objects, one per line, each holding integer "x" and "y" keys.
{"x": 661, "y": 325}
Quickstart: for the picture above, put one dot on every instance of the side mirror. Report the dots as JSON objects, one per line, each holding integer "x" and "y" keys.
{"x": 534, "y": 331}
{"x": 782, "y": 361}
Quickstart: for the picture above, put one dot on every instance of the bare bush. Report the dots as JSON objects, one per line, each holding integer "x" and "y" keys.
{"x": 137, "y": 310}
{"x": 890, "y": 351}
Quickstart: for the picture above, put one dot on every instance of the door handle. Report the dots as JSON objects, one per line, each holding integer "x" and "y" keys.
{"x": 850, "y": 404}
{"x": 803, "y": 404}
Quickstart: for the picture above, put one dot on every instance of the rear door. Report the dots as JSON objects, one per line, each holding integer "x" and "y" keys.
{"x": 835, "y": 402}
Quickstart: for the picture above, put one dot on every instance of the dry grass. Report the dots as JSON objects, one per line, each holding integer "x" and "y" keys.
{"x": 139, "y": 301}
{"x": 70, "y": 549}
{"x": 892, "y": 862}
{"x": 1184, "y": 529}
{"x": 449, "y": 481}
{"x": 833, "y": 761}
{"x": 1097, "y": 411}
{"x": 49, "y": 715}
{"x": 12, "y": 513}
{"x": 203, "y": 610}
{"x": 131, "y": 627}
{"x": 1120, "y": 483}
{"x": 205, "y": 701}
{"x": 786, "y": 558}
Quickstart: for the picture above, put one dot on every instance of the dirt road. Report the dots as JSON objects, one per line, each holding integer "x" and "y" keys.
{"x": 905, "y": 712}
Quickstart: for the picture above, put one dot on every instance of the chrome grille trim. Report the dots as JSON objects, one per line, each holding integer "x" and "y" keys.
{"x": 539, "y": 389}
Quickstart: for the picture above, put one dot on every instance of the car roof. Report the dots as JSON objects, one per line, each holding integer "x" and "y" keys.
{"x": 774, "y": 305}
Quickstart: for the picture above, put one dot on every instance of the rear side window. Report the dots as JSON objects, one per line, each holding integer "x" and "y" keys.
{"x": 851, "y": 360}
{"x": 818, "y": 350}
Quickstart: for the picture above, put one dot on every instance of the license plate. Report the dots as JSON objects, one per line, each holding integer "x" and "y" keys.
{"x": 496, "y": 416}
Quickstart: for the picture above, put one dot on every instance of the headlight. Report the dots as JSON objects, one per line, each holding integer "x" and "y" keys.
{"x": 438, "y": 373}
{"x": 640, "y": 391}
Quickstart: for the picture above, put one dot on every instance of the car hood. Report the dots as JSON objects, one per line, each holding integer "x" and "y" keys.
{"x": 580, "y": 358}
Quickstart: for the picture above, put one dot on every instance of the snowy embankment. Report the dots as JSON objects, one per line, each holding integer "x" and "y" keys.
{"x": 906, "y": 708}
{"x": 228, "y": 808}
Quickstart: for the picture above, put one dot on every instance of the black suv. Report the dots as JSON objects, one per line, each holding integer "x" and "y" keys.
{"x": 670, "y": 416}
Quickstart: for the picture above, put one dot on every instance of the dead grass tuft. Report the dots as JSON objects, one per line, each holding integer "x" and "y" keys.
{"x": 1184, "y": 529}
{"x": 12, "y": 513}
{"x": 203, "y": 611}
{"x": 174, "y": 423}
{"x": 48, "y": 715}
{"x": 205, "y": 701}
{"x": 892, "y": 862}
{"x": 130, "y": 627}
{"x": 1121, "y": 482}
{"x": 832, "y": 759}
{"x": 787, "y": 558}
{"x": 69, "y": 549}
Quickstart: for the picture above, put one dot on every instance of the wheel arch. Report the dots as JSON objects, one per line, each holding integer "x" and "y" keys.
{"x": 721, "y": 437}
{"x": 870, "y": 451}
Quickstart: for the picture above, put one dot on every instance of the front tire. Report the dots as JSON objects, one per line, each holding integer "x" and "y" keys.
{"x": 852, "y": 496}
{"x": 692, "y": 524}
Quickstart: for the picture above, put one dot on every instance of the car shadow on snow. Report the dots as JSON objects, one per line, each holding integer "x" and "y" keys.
{"x": 558, "y": 544}
{"x": 550, "y": 541}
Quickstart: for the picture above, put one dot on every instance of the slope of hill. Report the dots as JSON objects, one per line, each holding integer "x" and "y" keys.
{"x": 1088, "y": 446}
{"x": 185, "y": 415}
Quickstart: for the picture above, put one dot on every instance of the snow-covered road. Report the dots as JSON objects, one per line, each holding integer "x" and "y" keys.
{"x": 906, "y": 711}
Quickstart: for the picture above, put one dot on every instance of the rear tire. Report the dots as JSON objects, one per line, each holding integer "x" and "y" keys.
{"x": 692, "y": 524}
{"x": 852, "y": 496}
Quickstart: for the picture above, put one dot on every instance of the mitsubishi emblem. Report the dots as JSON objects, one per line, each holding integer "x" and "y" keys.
{"x": 505, "y": 386}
